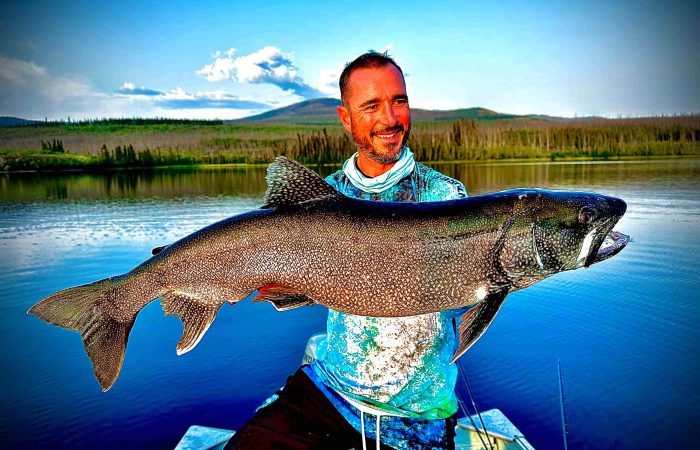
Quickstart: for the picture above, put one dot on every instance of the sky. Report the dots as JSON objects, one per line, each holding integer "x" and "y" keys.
{"x": 231, "y": 59}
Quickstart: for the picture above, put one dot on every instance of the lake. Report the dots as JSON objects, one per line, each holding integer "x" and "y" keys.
{"x": 627, "y": 331}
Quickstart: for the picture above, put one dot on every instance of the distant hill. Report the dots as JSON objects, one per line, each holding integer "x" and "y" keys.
{"x": 456, "y": 114}
{"x": 322, "y": 111}
{"x": 318, "y": 111}
{"x": 7, "y": 121}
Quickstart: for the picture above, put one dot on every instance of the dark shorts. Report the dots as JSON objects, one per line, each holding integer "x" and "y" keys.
{"x": 301, "y": 418}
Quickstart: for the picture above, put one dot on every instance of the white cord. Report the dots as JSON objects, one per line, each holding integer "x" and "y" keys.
{"x": 362, "y": 426}
{"x": 362, "y": 407}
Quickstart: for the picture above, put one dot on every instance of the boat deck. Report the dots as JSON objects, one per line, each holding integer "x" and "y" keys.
{"x": 503, "y": 435}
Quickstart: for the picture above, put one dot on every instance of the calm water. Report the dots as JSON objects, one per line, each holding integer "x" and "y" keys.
{"x": 626, "y": 331}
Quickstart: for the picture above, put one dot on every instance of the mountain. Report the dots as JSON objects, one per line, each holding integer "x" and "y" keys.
{"x": 7, "y": 121}
{"x": 318, "y": 111}
{"x": 322, "y": 111}
{"x": 430, "y": 115}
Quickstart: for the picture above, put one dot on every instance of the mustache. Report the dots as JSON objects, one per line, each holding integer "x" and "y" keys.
{"x": 398, "y": 128}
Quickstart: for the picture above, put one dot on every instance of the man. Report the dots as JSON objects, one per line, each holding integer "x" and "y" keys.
{"x": 385, "y": 377}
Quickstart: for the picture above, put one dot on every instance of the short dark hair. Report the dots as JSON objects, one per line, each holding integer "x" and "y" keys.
{"x": 371, "y": 59}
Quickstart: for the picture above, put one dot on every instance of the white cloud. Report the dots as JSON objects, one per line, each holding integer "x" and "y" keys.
{"x": 129, "y": 88}
{"x": 250, "y": 68}
{"x": 180, "y": 99}
{"x": 18, "y": 71}
{"x": 32, "y": 91}
{"x": 328, "y": 79}
{"x": 177, "y": 94}
{"x": 268, "y": 65}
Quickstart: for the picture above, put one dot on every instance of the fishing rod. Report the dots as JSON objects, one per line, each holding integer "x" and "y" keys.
{"x": 465, "y": 411}
{"x": 476, "y": 408}
{"x": 564, "y": 425}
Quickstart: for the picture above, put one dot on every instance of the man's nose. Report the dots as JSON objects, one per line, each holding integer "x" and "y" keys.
{"x": 388, "y": 117}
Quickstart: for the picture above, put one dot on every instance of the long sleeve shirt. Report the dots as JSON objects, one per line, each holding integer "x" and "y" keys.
{"x": 399, "y": 366}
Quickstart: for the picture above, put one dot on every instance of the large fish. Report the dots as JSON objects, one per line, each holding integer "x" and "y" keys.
{"x": 309, "y": 244}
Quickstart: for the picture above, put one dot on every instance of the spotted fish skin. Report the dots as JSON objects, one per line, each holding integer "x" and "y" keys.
{"x": 310, "y": 244}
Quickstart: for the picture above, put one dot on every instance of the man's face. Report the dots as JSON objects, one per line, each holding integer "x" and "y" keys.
{"x": 376, "y": 112}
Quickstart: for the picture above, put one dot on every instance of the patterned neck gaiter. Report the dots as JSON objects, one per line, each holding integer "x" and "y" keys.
{"x": 381, "y": 183}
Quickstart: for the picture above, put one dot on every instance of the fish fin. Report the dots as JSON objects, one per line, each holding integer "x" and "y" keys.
{"x": 283, "y": 298}
{"x": 474, "y": 322}
{"x": 290, "y": 183}
{"x": 195, "y": 314}
{"x": 157, "y": 250}
{"x": 81, "y": 309}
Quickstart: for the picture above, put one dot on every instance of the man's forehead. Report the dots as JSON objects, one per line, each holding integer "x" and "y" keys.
{"x": 372, "y": 80}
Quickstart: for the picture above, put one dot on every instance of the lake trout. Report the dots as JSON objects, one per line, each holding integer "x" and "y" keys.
{"x": 309, "y": 244}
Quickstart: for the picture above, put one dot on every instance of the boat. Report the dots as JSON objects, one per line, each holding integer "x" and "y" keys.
{"x": 486, "y": 430}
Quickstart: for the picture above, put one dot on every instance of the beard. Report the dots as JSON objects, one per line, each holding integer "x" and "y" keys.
{"x": 385, "y": 154}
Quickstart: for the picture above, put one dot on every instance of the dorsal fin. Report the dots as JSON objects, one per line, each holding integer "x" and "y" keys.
{"x": 289, "y": 183}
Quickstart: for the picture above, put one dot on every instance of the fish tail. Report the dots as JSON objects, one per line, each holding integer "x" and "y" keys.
{"x": 81, "y": 308}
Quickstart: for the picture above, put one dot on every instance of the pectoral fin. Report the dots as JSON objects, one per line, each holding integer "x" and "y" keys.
{"x": 195, "y": 314}
{"x": 474, "y": 322}
{"x": 283, "y": 298}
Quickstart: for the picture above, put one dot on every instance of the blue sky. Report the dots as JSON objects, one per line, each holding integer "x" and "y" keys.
{"x": 231, "y": 59}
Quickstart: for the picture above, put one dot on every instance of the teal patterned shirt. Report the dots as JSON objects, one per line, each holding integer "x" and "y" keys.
{"x": 397, "y": 365}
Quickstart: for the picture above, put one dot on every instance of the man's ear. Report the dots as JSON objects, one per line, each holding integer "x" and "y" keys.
{"x": 344, "y": 116}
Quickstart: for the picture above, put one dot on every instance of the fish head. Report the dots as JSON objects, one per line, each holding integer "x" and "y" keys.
{"x": 554, "y": 231}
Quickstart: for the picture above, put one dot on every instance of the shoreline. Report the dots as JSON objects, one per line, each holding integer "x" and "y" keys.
{"x": 98, "y": 170}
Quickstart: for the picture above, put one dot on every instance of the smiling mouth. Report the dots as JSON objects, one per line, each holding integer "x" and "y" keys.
{"x": 388, "y": 135}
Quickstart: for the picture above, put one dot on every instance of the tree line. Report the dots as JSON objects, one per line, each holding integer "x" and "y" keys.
{"x": 461, "y": 140}
{"x": 467, "y": 140}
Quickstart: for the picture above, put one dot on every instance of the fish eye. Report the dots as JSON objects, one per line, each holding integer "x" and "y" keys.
{"x": 586, "y": 215}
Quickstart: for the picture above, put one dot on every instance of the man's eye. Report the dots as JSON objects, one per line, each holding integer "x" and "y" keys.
{"x": 401, "y": 102}
{"x": 370, "y": 107}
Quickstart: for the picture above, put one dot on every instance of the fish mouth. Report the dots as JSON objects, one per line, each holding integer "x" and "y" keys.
{"x": 608, "y": 243}
{"x": 612, "y": 244}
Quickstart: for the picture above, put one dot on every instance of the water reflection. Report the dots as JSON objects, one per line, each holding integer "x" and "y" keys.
{"x": 191, "y": 182}
{"x": 250, "y": 181}
{"x": 482, "y": 178}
